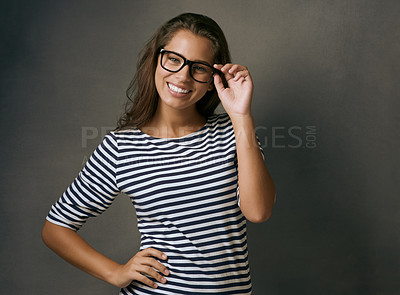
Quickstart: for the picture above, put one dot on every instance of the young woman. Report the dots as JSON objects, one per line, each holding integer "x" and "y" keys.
{"x": 193, "y": 177}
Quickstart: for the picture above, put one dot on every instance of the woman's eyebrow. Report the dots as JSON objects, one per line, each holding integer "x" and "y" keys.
{"x": 195, "y": 60}
{"x": 201, "y": 61}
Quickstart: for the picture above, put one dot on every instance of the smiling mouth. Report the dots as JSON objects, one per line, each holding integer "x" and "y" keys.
{"x": 177, "y": 89}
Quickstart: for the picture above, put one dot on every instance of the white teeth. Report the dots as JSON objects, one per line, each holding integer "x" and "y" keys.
{"x": 177, "y": 89}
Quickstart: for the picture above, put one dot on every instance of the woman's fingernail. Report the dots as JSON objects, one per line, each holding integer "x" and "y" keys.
{"x": 166, "y": 272}
{"x": 164, "y": 256}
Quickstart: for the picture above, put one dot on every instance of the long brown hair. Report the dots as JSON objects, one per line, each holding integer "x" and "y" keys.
{"x": 142, "y": 93}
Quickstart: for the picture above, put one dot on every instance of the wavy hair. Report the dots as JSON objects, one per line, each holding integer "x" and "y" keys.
{"x": 142, "y": 93}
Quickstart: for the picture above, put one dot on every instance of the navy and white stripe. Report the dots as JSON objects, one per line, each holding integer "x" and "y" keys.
{"x": 185, "y": 194}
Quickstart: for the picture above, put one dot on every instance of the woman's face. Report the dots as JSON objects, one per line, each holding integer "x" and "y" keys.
{"x": 178, "y": 90}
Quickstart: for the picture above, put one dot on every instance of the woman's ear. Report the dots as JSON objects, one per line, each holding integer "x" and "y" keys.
{"x": 211, "y": 86}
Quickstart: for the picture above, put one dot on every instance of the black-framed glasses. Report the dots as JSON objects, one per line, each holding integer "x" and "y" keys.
{"x": 174, "y": 62}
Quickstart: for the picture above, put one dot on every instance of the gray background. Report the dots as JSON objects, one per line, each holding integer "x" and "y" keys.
{"x": 331, "y": 65}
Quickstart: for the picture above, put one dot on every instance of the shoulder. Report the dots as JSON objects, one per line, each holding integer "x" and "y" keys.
{"x": 125, "y": 134}
{"x": 118, "y": 138}
{"x": 219, "y": 120}
{"x": 220, "y": 125}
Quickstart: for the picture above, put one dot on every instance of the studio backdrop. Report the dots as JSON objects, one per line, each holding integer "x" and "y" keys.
{"x": 326, "y": 107}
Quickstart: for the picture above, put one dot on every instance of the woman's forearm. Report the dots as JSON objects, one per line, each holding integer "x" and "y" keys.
{"x": 256, "y": 187}
{"x": 73, "y": 248}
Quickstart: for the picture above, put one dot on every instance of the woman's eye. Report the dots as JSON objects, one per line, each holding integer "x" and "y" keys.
{"x": 174, "y": 60}
{"x": 199, "y": 69}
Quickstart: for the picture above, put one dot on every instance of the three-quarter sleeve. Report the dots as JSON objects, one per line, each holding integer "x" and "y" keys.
{"x": 92, "y": 191}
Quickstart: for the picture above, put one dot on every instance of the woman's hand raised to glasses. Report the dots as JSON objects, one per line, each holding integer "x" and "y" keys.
{"x": 236, "y": 98}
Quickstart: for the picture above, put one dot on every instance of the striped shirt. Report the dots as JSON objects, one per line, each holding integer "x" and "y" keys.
{"x": 185, "y": 192}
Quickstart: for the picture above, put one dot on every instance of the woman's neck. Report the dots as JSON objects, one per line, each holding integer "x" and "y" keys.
{"x": 172, "y": 123}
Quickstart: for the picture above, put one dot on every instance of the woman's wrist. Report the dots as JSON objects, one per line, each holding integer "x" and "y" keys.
{"x": 242, "y": 120}
{"x": 112, "y": 275}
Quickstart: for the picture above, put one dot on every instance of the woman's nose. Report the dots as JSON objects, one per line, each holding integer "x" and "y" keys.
{"x": 184, "y": 73}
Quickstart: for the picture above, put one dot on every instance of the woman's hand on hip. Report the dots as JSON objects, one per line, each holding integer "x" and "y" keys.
{"x": 140, "y": 266}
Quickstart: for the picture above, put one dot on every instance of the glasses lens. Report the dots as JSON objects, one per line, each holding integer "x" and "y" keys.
{"x": 171, "y": 61}
{"x": 201, "y": 72}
